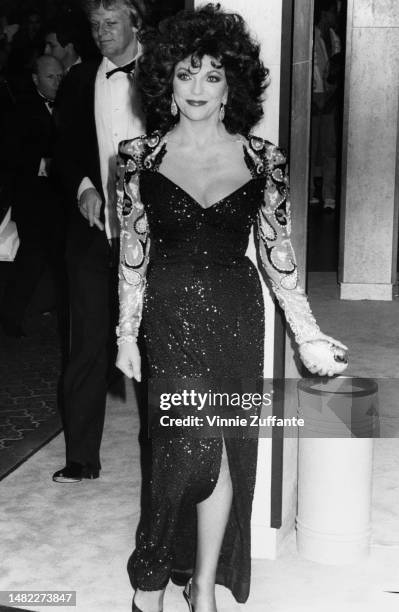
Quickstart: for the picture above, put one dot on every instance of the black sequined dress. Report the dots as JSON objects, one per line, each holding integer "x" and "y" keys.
{"x": 203, "y": 319}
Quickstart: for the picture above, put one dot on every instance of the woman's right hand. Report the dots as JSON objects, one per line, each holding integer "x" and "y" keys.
{"x": 129, "y": 360}
{"x": 324, "y": 356}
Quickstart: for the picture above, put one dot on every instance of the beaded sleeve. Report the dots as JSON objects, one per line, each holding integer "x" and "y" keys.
{"x": 276, "y": 251}
{"x": 135, "y": 240}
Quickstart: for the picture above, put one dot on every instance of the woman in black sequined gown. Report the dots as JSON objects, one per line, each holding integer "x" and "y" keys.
{"x": 195, "y": 189}
{"x": 203, "y": 318}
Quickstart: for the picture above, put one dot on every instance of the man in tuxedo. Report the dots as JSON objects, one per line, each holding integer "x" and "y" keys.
{"x": 27, "y": 151}
{"x": 61, "y": 42}
{"x": 69, "y": 40}
{"x": 98, "y": 108}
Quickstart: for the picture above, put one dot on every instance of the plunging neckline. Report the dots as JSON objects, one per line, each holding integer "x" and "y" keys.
{"x": 226, "y": 197}
{"x": 192, "y": 198}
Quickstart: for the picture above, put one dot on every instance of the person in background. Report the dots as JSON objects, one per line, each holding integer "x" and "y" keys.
{"x": 98, "y": 108}
{"x": 26, "y": 47}
{"x": 7, "y": 98}
{"x": 27, "y": 152}
{"x": 62, "y": 42}
{"x": 327, "y": 48}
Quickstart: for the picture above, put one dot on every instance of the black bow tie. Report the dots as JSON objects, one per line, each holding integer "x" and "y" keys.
{"x": 50, "y": 103}
{"x": 127, "y": 69}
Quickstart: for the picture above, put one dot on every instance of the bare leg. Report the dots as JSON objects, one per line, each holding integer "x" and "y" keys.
{"x": 149, "y": 601}
{"x": 212, "y": 514}
{"x": 212, "y": 517}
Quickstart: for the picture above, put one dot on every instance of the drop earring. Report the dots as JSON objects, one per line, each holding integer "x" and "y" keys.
{"x": 222, "y": 112}
{"x": 173, "y": 107}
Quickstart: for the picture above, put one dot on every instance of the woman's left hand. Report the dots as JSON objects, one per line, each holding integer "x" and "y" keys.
{"x": 324, "y": 357}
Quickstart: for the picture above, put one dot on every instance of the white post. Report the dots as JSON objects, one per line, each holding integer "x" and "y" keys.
{"x": 335, "y": 469}
{"x": 264, "y": 20}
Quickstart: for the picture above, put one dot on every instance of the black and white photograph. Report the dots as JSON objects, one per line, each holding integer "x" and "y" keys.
{"x": 199, "y": 305}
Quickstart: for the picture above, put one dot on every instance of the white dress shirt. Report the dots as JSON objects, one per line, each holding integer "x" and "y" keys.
{"x": 115, "y": 121}
{"x": 75, "y": 63}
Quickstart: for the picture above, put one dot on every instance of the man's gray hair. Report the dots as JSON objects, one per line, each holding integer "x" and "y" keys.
{"x": 137, "y": 8}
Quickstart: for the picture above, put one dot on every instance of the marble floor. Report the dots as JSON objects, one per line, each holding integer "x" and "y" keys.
{"x": 78, "y": 537}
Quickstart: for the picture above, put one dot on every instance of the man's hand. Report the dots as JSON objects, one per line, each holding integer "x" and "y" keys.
{"x": 90, "y": 206}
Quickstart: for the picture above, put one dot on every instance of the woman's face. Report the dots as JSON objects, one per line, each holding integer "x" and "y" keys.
{"x": 199, "y": 93}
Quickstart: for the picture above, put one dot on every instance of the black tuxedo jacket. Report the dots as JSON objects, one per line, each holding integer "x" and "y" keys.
{"x": 29, "y": 136}
{"x": 77, "y": 152}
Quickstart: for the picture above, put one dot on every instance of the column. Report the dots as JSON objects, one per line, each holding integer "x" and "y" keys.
{"x": 264, "y": 20}
{"x": 369, "y": 224}
{"x": 298, "y": 137}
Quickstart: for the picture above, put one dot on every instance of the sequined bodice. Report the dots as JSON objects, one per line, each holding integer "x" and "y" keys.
{"x": 184, "y": 231}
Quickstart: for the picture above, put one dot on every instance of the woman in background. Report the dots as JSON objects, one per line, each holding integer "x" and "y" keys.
{"x": 195, "y": 188}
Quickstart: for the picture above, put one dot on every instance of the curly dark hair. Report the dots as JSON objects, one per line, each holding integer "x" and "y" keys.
{"x": 205, "y": 31}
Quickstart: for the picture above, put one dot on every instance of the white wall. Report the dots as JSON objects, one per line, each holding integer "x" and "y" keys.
{"x": 264, "y": 20}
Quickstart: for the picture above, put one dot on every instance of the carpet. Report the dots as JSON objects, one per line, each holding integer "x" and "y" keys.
{"x": 29, "y": 373}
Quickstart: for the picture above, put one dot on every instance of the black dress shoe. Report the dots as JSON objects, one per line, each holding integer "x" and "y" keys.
{"x": 75, "y": 472}
{"x": 11, "y": 328}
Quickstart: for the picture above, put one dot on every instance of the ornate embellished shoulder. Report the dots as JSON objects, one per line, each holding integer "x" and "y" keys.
{"x": 135, "y": 155}
{"x": 142, "y": 153}
{"x": 130, "y": 153}
{"x": 262, "y": 156}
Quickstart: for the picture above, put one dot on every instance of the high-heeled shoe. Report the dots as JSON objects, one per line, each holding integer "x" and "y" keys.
{"x": 187, "y": 595}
